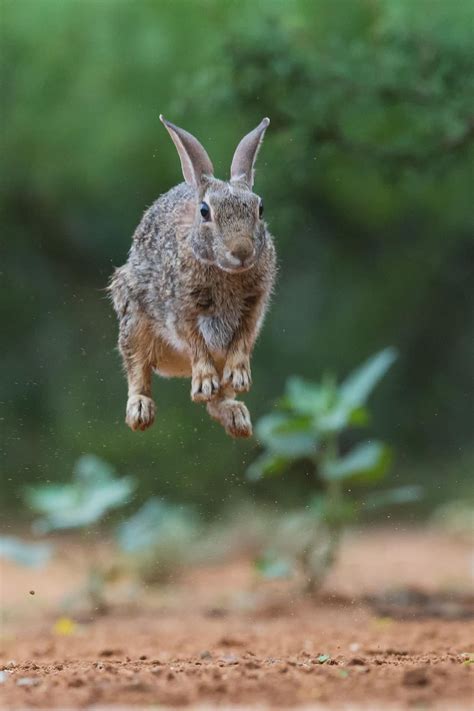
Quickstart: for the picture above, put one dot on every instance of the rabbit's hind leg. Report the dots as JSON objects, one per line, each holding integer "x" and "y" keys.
{"x": 137, "y": 351}
{"x": 232, "y": 414}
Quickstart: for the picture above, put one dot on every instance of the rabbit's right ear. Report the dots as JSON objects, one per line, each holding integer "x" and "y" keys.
{"x": 243, "y": 162}
{"x": 195, "y": 162}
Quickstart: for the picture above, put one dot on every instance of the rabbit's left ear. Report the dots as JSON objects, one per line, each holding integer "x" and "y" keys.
{"x": 195, "y": 162}
{"x": 243, "y": 162}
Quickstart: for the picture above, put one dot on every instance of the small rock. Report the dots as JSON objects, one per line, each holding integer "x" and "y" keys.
{"x": 32, "y": 592}
{"x": 137, "y": 686}
{"x": 76, "y": 683}
{"x": 415, "y": 677}
{"x": 252, "y": 664}
{"x": 229, "y": 641}
{"x": 215, "y": 612}
{"x": 27, "y": 681}
{"x": 230, "y": 659}
{"x": 357, "y": 662}
{"x": 109, "y": 652}
{"x": 205, "y": 654}
{"x": 143, "y": 657}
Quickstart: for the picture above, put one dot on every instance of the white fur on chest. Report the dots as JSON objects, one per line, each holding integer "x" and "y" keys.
{"x": 217, "y": 332}
{"x": 172, "y": 336}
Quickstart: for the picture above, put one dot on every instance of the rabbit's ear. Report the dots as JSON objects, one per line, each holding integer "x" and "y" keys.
{"x": 246, "y": 153}
{"x": 195, "y": 162}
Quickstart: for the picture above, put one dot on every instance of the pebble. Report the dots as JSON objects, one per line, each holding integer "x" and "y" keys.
{"x": 357, "y": 662}
{"x": 415, "y": 677}
{"x": 27, "y": 681}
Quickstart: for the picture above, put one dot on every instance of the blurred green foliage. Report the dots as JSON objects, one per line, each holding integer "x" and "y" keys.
{"x": 151, "y": 546}
{"x": 311, "y": 419}
{"x": 93, "y": 491}
{"x": 33, "y": 555}
{"x": 308, "y": 428}
{"x": 367, "y": 177}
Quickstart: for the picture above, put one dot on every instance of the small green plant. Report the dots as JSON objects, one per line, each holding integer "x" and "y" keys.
{"x": 151, "y": 544}
{"x": 158, "y": 538}
{"x": 93, "y": 492}
{"x": 307, "y": 427}
{"x": 81, "y": 504}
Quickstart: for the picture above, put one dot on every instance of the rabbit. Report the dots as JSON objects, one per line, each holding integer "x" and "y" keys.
{"x": 193, "y": 293}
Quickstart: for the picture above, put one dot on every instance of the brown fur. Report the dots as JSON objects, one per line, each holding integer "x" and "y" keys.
{"x": 192, "y": 296}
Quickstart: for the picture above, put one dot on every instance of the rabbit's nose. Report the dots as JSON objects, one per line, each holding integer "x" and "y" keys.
{"x": 241, "y": 252}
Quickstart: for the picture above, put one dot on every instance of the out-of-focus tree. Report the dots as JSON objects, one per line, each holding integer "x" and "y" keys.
{"x": 367, "y": 177}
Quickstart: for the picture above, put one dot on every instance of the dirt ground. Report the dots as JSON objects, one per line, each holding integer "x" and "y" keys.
{"x": 222, "y": 638}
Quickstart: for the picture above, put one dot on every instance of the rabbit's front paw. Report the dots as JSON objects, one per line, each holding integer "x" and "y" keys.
{"x": 236, "y": 418}
{"x": 237, "y": 373}
{"x": 204, "y": 382}
{"x": 140, "y": 412}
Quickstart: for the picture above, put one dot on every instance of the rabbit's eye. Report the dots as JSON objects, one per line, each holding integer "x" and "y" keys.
{"x": 205, "y": 211}
{"x": 260, "y": 208}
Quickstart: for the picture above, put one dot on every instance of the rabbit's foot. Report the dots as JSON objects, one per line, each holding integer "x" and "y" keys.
{"x": 233, "y": 416}
{"x": 237, "y": 373}
{"x": 140, "y": 412}
{"x": 204, "y": 382}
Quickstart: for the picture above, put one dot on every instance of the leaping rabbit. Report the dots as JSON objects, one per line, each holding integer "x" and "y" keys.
{"x": 193, "y": 293}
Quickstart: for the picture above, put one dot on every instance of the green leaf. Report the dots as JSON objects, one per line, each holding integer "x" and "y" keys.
{"x": 341, "y": 415}
{"x": 355, "y": 390}
{"x": 267, "y": 464}
{"x": 154, "y": 522}
{"x": 50, "y": 497}
{"x": 367, "y": 462}
{"x": 272, "y": 567}
{"x": 335, "y": 420}
{"x": 290, "y": 437}
{"x": 323, "y": 658}
{"x": 91, "y": 469}
{"x": 92, "y": 493}
{"x": 33, "y": 555}
{"x": 333, "y": 513}
{"x": 309, "y": 398}
{"x": 359, "y": 417}
{"x": 400, "y": 495}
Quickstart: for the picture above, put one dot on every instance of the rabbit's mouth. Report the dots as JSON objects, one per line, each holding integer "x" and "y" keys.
{"x": 234, "y": 267}
{"x": 237, "y": 260}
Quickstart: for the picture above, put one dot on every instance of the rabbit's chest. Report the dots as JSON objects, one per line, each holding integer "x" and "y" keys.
{"x": 217, "y": 331}
{"x": 218, "y": 319}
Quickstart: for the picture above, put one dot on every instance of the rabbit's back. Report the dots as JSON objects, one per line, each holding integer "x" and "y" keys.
{"x": 152, "y": 271}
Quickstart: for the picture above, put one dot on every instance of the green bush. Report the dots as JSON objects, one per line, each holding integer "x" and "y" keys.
{"x": 308, "y": 426}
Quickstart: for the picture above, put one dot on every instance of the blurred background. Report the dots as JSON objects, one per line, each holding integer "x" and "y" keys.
{"x": 367, "y": 176}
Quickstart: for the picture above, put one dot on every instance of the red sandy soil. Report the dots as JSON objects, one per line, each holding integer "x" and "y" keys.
{"x": 221, "y": 638}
